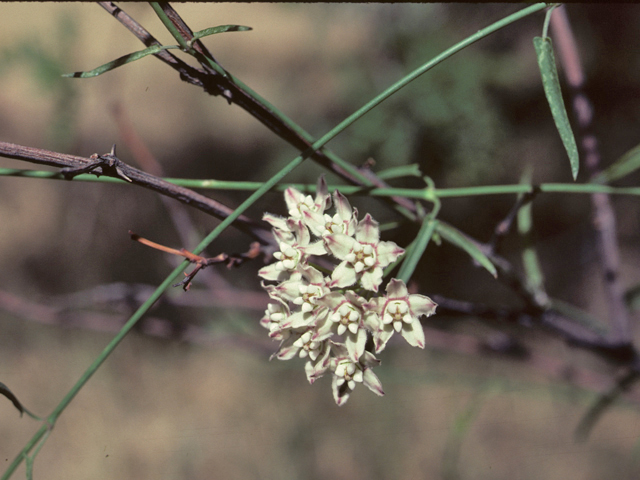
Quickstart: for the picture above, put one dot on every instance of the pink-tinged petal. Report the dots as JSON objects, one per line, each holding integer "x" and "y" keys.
{"x": 292, "y": 197}
{"x": 270, "y": 272}
{"x": 301, "y": 319}
{"x": 367, "y": 230}
{"x": 396, "y": 289}
{"x": 323, "y": 199}
{"x": 322, "y": 324}
{"x": 287, "y": 350}
{"x": 375, "y": 305}
{"x": 317, "y": 369}
{"x": 343, "y": 208}
{"x": 371, "y": 320}
{"x": 371, "y": 279}
{"x": 372, "y": 382}
{"x": 313, "y": 275}
{"x": 369, "y": 360}
{"x": 413, "y": 334}
{"x": 315, "y": 222}
{"x": 265, "y": 322}
{"x": 383, "y": 336}
{"x": 284, "y": 236}
{"x": 339, "y": 244}
{"x": 339, "y": 352}
{"x": 316, "y": 248}
{"x": 388, "y": 252}
{"x": 355, "y": 344}
{"x": 343, "y": 276}
{"x": 332, "y": 300}
{"x": 302, "y": 233}
{"x": 276, "y": 221}
{"x": 421, "y": 305}
{"x": 340, "y": 392}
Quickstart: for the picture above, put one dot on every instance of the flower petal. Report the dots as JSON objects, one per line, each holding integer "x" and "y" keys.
{"x": 413, "y": 334}
{"x": 344, "y": 275}
{"x": 339, "y": 244}
{"x": 396, "y": 288}
{"x": 388, "y": 252}
{"x": 271, "y": 272}
{"x": 355, "y": 344}
{"x": 368, "y": 230}
{"x": 372, "y": 382}
{"x": 422, "y": 305}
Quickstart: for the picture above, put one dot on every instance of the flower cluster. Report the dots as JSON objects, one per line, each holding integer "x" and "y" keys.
{"x": 328, "y": 318}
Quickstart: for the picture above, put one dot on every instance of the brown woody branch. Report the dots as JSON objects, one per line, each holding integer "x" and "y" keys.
{"x": 138, "y": 177}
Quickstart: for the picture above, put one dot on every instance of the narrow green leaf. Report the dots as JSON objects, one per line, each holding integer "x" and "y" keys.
{"x": 551, "y": 84}
{"x": 460, "y": 240}
{"x": 118, "y": 62}
{"x": 4, "y": 390}
{"x": 219, "y": 29}
{"x": 628, "y": 163}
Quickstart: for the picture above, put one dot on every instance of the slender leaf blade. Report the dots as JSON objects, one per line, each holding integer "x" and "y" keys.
{"x": 118, "y": 62}
{"x": 551, "y": 85}
{"x": 4, "y": 390}
{"x": 628, "y": 163}
{"x": 460, "y": 240}
{"x": 219, "y": 29}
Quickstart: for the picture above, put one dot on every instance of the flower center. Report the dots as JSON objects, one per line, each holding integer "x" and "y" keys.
{"x": 287, "y": 258}
{"x": 308, "y": 296}
{"x": 397, "y": 312}
{"x": 362, "y": 256}
{"x": 346, "y": 317}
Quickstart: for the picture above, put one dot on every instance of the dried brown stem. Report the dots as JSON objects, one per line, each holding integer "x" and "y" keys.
{"x": 201, "y": 263}
{"x": 143, "y": 179}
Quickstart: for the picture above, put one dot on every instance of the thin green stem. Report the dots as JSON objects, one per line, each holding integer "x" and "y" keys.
{"x": 419, "y": 245}
{"x": 547, "y": 19}
{"x": 419, "y": 193}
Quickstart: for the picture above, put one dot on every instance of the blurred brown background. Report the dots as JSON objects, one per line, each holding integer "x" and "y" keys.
{"x": 213, "y": 406}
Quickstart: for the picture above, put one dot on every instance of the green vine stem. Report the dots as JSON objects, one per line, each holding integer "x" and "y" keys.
{"x": 419, "y": 193}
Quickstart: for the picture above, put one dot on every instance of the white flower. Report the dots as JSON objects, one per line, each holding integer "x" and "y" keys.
{"x": 347, "y": 374}
{"x": 348, "y": 317}
{"x": 363, "y": 257}
{"x": 399, "y": 312}
{"x": 293, "y": 251}
{"x": 344, "y": 221}
{"x": 304, "y": 290}
{"x": 304, "y": 314}
{"x": 277, "y": 320}
{"x": 298, "y": 203}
